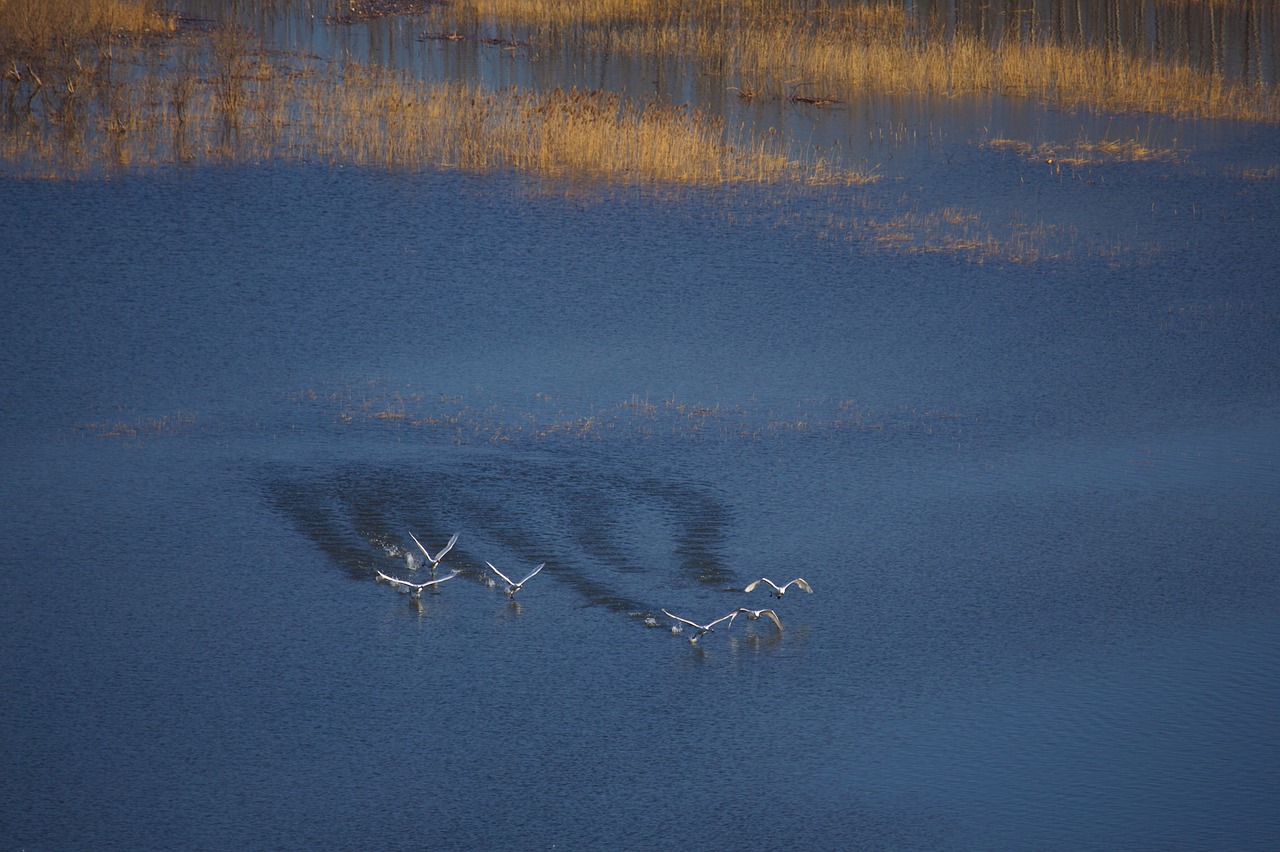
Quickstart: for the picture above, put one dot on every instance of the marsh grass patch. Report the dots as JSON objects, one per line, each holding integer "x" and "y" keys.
{"x": 544, "y": 419}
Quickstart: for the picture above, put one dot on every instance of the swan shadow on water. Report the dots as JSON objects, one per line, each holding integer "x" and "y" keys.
{"x": 590, "y": 530}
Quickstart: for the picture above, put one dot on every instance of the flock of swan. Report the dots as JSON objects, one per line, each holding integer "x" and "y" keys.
{"x": 414, "y": 563}
{"x": 751, "y": 614}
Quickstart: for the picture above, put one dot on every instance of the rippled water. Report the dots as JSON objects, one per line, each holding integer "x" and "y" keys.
{"x": 1036, "y": 507}
{"x": 1036, "y": 503}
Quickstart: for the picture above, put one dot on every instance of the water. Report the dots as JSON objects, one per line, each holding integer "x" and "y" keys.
{"x": 1036, "y": 503}
{"x": 1037, "y": 509}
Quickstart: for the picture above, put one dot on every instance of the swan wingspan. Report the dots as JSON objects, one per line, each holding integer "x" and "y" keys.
{"x": 728, "y": 617}
{"x": 435, "y": 560}
{"x": 446, "y": 548}
{"x": 684, "y": 620}
{"x": 530, "y": 577}
{"x": 500, "y": 574}
{"x": 395, "y": 581}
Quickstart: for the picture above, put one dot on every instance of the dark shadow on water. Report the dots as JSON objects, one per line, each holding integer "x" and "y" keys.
{"x": 620, "y": 541}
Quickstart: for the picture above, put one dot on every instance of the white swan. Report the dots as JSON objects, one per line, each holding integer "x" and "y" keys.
{"x": 512, "y": 588}
{"x": 754, "y": 615}
{"x": 779, "y": 591}
{"x": 702, "y": 629}
{"x": 434, "y": 560}
{"x": 415, "y": 587}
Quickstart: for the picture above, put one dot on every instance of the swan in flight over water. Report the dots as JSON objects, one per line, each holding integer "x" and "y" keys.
{"x": 416, "y": 587}
{"x": 512, "y": 588}
{"x": 434, "y": 560}
{"x": 702, "y": 629}
{"x": 779, "y": 591}
{"x": 754, "y": 615}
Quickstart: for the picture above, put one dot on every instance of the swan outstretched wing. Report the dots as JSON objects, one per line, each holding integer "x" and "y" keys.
{"x": 446, "y": 549}
{"x": 728, "y": 618}
{"x": 684, "y": 620}
{"x": 530, "y": 577}
{"x": 751, "y": 585}
{"x": 420, "y": 547}
{"x": 435, "y": 560}
{"x": 441, "y": 579}
{"x": 500, "y": 574}
{"x": 755, "y": 614}
{"x": 394, "y": 580}
{"x": 799, "y": 581}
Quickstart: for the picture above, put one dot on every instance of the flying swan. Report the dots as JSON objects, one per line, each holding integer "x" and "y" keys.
{"x": 415, "y": 587}
{"x": 779, "y": 591}
{"x": 512, "y": 588}
{"x": 754, "y": 615}
{"x": 702, "y": 629}
{"x": 434, "y": 560}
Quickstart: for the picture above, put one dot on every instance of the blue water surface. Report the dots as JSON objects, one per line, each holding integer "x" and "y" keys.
{"x": 1035, "y": 501}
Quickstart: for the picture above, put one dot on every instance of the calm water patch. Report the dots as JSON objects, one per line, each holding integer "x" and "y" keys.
{"x": 1036, "y": 504}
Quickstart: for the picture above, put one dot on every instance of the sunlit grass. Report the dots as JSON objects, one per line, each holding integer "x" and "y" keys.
{"x": 1086, "y": 152}
{"x": 139, "y": 428}
{"x": 113, "y": 102}
{"x": 30, "y": 29}
{"x": 836, "y": 51}
{"x": 383, "y": 118}
{"x": 222, "y": 100}
{"x": 1258, "y": 173}
{"x": 543, "y": 419}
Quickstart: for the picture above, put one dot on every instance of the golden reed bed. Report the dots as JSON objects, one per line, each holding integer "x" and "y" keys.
{"x": 77, "y": 99}
{"x": 94, "y": 82}
{"x": 842, "y": 49}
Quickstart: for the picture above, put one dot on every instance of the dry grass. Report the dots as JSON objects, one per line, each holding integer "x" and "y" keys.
{"x": 46, "y": 44}
{"x": 543, "y": 420}
{"x": 1258, "y": 173}
{"x": 1110, "y": 81}
{"x": 143, "y": 427}
{"x": 224, "y": 100}
{"x": 118, "y": 103}
{"x": 62, "y": 74}
{"x": 557, "y": 14}
{"x": 840, "y": 50}
{"x": 1085, "y": 152}
{"x": 372, "y": 116}
{"x": 34, "y": 28}
{"x": 387, "y": 119}
{"x": 952, "y": 230}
